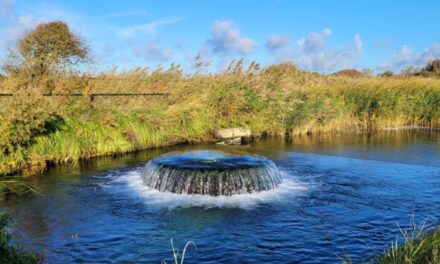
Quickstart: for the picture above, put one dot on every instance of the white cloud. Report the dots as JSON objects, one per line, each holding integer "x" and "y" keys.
{"x": 21, "y": 25}
{"x": 383, "y": 44}
{"x": 133, "y": 13}
{"x": 203, "y": 56}
{"x": 406, "y": 56}
{"x": 7, "y": 8}
{"x": 226, "y": 39}
{"x": 429, "y": 54}
{"x": 32, "y": 15}
{"x": 145, "y": 28}
{"x": 277, "y": 41}
{"x": 311, "y": 53}
{"x": 314, "y": 41}
{"x": 358, "y": 42}
{"x": 15, "y": 26}
{"x": 153, "y": 51}
{"x": 76, "y": 21}
{"x": 402, "y": 57}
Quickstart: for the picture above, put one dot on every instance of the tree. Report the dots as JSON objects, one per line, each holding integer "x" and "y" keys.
{"x": 49, "y": 49}
{"x": 433, "y": 67}
{"x": 353, "y": 73}
{"x": 367, "y": 72}
{"x": 386, "y": 74}
{"x": 410, "y": 71}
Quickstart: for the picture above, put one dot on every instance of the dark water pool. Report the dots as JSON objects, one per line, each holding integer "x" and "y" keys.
{"x": 345, "y": 194}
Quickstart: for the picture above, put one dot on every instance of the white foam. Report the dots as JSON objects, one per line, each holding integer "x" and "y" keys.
{"x": 131, "y": 184}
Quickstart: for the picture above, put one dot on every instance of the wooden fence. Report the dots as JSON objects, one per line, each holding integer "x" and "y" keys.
{"x": 92, "y": 96}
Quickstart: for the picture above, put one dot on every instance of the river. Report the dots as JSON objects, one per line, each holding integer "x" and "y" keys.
{"x": 341, "y": 195}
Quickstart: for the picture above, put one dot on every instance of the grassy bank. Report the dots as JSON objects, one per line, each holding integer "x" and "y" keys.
{"x": 38, "y": 130}
{"x": 418, "y": 248}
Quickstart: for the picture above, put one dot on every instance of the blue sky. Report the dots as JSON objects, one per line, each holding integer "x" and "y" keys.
{"x": 322, "y": 36}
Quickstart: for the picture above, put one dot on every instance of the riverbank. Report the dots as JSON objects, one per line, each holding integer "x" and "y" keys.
{"x": 38, "y": 131}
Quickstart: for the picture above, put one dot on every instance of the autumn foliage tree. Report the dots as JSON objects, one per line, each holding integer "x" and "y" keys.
{"x": 41, "y": 60}
{"x": 50, "y": 49}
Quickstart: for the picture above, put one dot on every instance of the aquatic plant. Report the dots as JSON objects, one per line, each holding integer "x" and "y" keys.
{"x": 176, "y": 252}
{"x": 8, "y": 252}
{"x": 15, "y": 185}
{"x": 418, "y": 247}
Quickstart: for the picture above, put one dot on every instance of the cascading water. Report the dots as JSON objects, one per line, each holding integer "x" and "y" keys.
{"x": 211, "y": 173}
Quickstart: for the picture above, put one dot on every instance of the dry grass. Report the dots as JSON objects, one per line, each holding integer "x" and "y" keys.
{"x": 277, "y": 100}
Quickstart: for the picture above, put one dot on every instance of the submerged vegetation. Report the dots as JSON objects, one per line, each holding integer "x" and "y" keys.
{"x": 16, "y": 185}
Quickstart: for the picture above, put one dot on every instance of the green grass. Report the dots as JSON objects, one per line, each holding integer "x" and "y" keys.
{"x": 37, "y": 131}
{"x": 418, "y": 247}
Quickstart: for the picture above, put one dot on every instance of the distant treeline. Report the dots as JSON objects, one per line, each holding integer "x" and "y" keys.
{"x": 432, "y": 69}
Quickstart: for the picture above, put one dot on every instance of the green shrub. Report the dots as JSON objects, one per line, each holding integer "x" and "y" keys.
{"x": 8, "y": 252}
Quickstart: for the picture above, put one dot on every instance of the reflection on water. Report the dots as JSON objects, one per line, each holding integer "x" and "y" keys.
{"x": 340, "y": 194}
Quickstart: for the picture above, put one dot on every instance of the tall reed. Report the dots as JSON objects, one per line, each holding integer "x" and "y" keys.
{"x": 278, "y": 100}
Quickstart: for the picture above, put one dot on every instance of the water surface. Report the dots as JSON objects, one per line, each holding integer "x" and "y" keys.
{"x": 341, "y": 194}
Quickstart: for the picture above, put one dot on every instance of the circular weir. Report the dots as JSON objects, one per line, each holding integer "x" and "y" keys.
{"x": 211, "y": 173}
